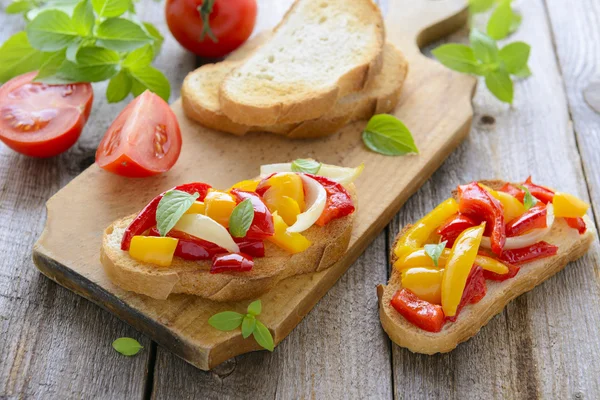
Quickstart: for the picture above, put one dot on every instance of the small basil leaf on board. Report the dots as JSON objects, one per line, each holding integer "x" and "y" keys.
{"x": 84, "y": 18}
{"x": 498, "y": 26}
{"x": 528, "y": 199}
{"x": 18, "y": 7}
{"x": 248, "y": 325}
{"x": 120, "y": 34}
{"x": 118, "y": 87}
{"x": 457, "y": 57}
{"x": 127, "y": 346}
{"x": 524, "y": 72}
{"x": 241, "y": 218}
{"x": 149, "y": 78}
{"x": 263, "y": 337}
{"x": 255, "y": 308}
{"x": 171, "y": 207}
{"x": 484, "y": 47}
{"x": 479, "y": 6}
{"x": 386, "y": 134}
{"x": 515, "y": 56}
{"x": 500, "y": 84}
{"x": 17, "y": 57}
{"x": 306, "y": 165}
{"x": 435, "y": 251}
{"x": 111, "y": 8}
{"x": 52, "y": 30}
{"x": 226, "y": 321}
{"x": 139, "y": 58}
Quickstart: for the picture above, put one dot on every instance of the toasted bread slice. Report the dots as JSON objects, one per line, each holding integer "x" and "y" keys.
{"x": 571, "y": 246}
{"x": 322, "y": 50}
{"x": 329, "y": 243}
{"x": 200, "y": 98}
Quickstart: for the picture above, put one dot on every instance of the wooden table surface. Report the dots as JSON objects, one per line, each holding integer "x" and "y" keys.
{"x": 54, "y": 344}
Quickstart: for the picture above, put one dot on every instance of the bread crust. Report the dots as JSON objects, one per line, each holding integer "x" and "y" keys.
{"x": 473, "y": 317}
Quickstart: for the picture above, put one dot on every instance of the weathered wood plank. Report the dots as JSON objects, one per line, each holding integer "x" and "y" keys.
{"x": 544, "y": 344}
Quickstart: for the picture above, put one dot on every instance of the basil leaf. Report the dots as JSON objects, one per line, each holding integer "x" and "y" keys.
{"x": 241, "y": 218}
{"x": 516, "y": 22}
{"x": 156, "y": 36}
{"x": 48, "y": 72}
{"x": 66, "y": 6}
{"x": 255, "y": 308}
{"x": 111, "y": 8}
{"x": 248, "y": 325}
{"x": 118, "y": 87}
{"x": 18, "y": 7}
{"x": 18, "y": 57}
{"x": 120, "y": 34}
{"x": 386, "y": 134}
{"x": 479, "y": 6}
{"x": 51, "y": 30}
{"x": 524, "y": 72}
{"x": 435, "y": 251}
{"x": 72, "y": 50}
{"x": 139, "y": 58}
{"x": 306, "y": 165}
{"x": 263, "y": 337}
{"x": 226, "y": 321}
{"x": 457, "y": 57}
{"x": 94, "y": 64}
{"x": 149, "y": 78}
{"x": 84, "y": 18}
{"x": 528, "y": 200}
{"x": 127, "y": 346}
{"x": 484, "y": 47}
{"x": 500, "y": 84}
{"x": 500, "y": 21}
{"x": 515, "y": 56}
{"x": 171, "y": 207}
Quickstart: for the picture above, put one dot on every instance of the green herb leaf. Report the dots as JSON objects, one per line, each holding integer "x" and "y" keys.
{"x": 18, "y": 7}
{"x": 52, "y": 30}
{"x": 479, "y": 6}
{"x": 94, "y": 64}
{"x": 435, "y": 251}
{"x": 118, "y": 87}
{"x": 111, "y": 8}
{"x": 84, "y": 18}
{"x": 500, "y": 84}
{"x": 386, "y": 134}
{"x": 127, "y": 346}
{"x": 500, "y": 21}
{"x": 72, "y": 49}
{"x": 524, "y": 72}
{"x": 515, "y": 56}
{"x": 248, "y": 325}
{"x": 306, "y": 165}
{"x": 139, "y": 58}
{"x": 18, "y": 57}
{"x": 226, "y": 321}
{"x": 66, "y": 6}
{"x": 484, "y": 47}
{"x": 149, "y": 78}
{"x": 457, "y": 57}
{"x": 528, "y": 199}
{"x": 171, "y": 207}
{"x": 263, "y": 337}
{"x": 516, "y": 22}
{"x": 49, "y": 70}
{"x": 158, "y": 38}
{"x": 255, "y": 308}
{"x": 121, "y": 34}
{"x": 241, "y": 218}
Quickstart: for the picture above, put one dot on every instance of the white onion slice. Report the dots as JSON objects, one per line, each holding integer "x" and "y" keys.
{"x": 208, "y": 229}
{"x": 342, "y": 175}
{"x": 315, "y": 198}
{"x": 527, "y": 239}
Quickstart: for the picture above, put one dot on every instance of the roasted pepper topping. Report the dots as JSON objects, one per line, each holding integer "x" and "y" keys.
{"x": 426, "y": 283}
{"x": 291, "y": 242}
{"x": 569, "y": 206}
{"x": 155, "y": 250}
{"x": 421, "y": 313}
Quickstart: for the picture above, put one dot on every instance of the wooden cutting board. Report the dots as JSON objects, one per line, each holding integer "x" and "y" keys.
{"x": 435, "y": 105}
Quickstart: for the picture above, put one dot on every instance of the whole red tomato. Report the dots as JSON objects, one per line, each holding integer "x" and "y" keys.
{"x": 230, "y": 23}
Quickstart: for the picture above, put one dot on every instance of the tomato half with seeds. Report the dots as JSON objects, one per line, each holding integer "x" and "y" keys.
{"x": 144, "y": 140}
{"x": 41, "y": 120}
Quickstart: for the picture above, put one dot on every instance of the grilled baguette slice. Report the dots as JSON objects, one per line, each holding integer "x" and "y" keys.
{"x": 571, "y": 246}
{"x": 329, "y": 243}
{"x": 322, "y": 50}
{"x": 200, "y": 98}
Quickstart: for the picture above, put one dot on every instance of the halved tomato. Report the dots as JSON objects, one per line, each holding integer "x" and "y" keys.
{"x": 144, "y": 140}
{"x": 41, "y": 120}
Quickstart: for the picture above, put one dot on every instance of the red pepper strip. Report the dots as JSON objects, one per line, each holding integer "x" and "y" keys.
{"x": 478, "y": 204}
{"x": 534, "y": 218}
{"x": 577, "y": 223}
{"x": 541, "y": 193}
{"x": 421, "y": 313}
{"x": 513, "y": 191}
{"x": 339, "y": 203}
{"x": 231, "y": 262}
{"x": 262, "y": 225}
{"x": 146, "y": 219}
{"x": 254, "y": 248}
{"x": 262, "y": 187}
{"x": 453, "y": 227}
{"x": 512, "y": 272}
{"x": 475, "y": 290}
{"x": 530, "y": 253}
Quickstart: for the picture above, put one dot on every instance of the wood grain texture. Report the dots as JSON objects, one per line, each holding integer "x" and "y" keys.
{"x": 544, "y": 344}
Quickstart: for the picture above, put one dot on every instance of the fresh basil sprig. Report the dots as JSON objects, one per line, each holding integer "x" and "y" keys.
{"x": 85, "y": 41}
{"x": 231, "y": 320}
{"x": 528, "y": 199}
{"x": 386, "y": 134}
{"x": 241, "y": 218}
{"x": 306, "y": 165}
{"x": 171, "y": 207}
{"x": 127, "y": 346}
{"x": 435, "y": 251}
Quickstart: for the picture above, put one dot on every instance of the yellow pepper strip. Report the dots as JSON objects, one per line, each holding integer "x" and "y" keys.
{"x": 426, "y": 283}
{"x": 289, "y": 185}
{"x": 248, "y": 185}
{"x": 285, "y": 206}
{"x": 153, "y": 249}
{"x": 416, "y": 236}
{"x": 512, "y": 207}
{"x": 197, "y": 207}
{"x": 419, "y": 258}
{"x": 458, "y": 266}
{"x": 291, "y": 242}
{"x": 219, "y": 206}
{"x": 568, "y": 206}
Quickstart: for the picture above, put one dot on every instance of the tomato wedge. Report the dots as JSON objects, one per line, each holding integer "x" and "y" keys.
{"x": 41, "y": 120}
{"x": 144, "y": 140}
